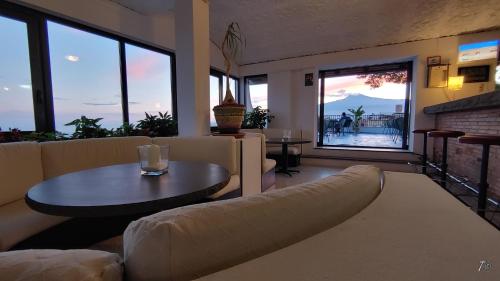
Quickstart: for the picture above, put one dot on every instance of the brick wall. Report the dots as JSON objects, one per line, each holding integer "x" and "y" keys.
{"x": 465, "y": 159}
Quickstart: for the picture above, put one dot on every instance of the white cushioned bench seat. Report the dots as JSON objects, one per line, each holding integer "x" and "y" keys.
{"x": 268, "y": 165}
{"x": 414, "y": 230}
{"x": 59, "y": 265}
{"x": 217, "y": 150}
{"x": 18, "y": 222}
{"x": 192, "y": 241}
{"x": 20, "y": 169}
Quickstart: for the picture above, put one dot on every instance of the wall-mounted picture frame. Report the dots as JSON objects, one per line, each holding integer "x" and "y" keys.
{"x": 309, "y": 79}
{"x": 475, "y": 74}
{"x": 437, "y": 76}
{"x": 434, "y": 60}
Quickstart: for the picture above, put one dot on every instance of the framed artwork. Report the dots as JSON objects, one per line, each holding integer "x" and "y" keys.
{"x": 309, "y": 79}
{"x": 435, "y": 60}
{"x": 437, "y": 76}
{"x": 474, "y": 74}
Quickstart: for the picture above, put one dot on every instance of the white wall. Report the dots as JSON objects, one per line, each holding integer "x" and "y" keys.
{"x": 158, "y": 31}
{"x": 287, "y": 92}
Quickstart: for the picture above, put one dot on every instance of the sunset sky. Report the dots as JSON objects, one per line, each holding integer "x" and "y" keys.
{"x": 337, "y": 88}
{"x": 85, "y": 78}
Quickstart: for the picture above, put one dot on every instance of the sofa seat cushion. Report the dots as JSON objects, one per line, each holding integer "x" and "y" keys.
{"x": 269, "y": 164}
{"x": 60, "y": 265}
{"x": 20, "y": 169}
{"x": 18, "y": 222}
{"x": 414, "y": 230}
{"x": 64, "y": 157}
{"x": 292, "y": 150}
{"x": 192, "y": 241}
{"x": 232, "y": 185}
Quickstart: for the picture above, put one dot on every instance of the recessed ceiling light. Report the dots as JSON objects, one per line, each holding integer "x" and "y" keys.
{"x": 72, "y": 58}
{"x": 6, "y": 89}
{"x": 25, "y": 86}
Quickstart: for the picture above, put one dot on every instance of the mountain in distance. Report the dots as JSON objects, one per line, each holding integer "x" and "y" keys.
{"x": 371, "y": 105}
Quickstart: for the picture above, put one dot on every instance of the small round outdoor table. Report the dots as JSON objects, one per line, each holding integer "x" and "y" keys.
{"x": 120, "y": 190}
{"x": 284, "y": 152}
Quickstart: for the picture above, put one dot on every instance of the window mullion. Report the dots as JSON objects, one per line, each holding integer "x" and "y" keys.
{"x": 123, "y": 79}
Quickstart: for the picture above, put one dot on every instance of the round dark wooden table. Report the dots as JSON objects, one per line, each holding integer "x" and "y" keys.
{"x": 120, "y": 190}
{"x": 284, "y": 152}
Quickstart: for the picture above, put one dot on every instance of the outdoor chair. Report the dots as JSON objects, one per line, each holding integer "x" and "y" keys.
{"x": 346, "y": 124}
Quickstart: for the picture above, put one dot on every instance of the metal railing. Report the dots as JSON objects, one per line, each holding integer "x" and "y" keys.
{"x": 370, "y": 120}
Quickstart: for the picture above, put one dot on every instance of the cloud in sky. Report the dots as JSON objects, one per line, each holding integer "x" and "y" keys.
{"x": 60, "y": 98}
{"x": 100, "y": 103}
{"x": 144, "y": 66}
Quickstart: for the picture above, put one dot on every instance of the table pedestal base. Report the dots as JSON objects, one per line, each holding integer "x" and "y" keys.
{"x": 286, "y": 171}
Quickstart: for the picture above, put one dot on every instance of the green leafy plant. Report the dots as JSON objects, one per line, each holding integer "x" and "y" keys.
{"x": 87, "y": 128}
{"x": 158, "y": 126}
{"x": 231, "y": 47}
{"x": 258, "y": 118}
{"x": 45, "y": 136}
{"x": 125, "y": 130}
{"x": 12, "y": 135}
{"x": 358, "y": 114}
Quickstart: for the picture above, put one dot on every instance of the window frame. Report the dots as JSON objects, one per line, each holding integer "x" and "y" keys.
{"x": 247, "y": 89}
{"x": 406, "y": 65}
{"x": 40, "y": 60}
{"x": 220, "y": 75}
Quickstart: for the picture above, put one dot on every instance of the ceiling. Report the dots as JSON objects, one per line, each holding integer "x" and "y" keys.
{"x": 278, "y": 29}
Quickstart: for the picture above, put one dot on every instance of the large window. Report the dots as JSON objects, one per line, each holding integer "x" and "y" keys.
{"x": 365, "y": 106}
{"x": 85, "y": 76}
{"x": 214, "y": 97}
{"x": 148, "y": 81}
{"x": 16, "y": 96}
{"x": 218, "y": 91}
{"x": 54, "y": 71}
{"x": 256, "y": 91}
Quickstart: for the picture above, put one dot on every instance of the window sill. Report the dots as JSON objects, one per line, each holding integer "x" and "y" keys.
{"x": 397, "y": 150}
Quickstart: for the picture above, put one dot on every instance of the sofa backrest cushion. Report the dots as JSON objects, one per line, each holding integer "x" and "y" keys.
{"x": 218, "y": 150}
{"x": 63, "y": 157}
{"x": 189, "y": 242}
{"x": 20, "y": 169}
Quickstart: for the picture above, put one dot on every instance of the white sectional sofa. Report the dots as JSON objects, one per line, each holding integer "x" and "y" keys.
{"x": 267, "y": 165}
{"x": 25, "y": 164}
{"x": 339, "y": 228}
{"x": 343, "y": 227}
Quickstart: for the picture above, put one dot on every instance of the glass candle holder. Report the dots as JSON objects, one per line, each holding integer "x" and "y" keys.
{"x": 153, "y": 159}
{"x": 287, "y": 134}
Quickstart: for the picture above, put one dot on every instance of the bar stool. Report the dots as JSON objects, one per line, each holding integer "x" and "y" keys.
{"x": 424, "y": 153}
{"x": 445, "y": 135}
{"x": 485, "y": 141}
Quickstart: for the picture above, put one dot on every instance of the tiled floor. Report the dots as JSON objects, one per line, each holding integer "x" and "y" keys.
{"x": 363, "y": 139}
{"x": 307, "y": 173}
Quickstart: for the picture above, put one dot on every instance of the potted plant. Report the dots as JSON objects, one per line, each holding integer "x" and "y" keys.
{"x": 358, "y": 114}
{"x": 229, "y": 115}
{"x": 87, "y": 128}
{"x": 258, "y": 118}
{"x": 158, "y": 126}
